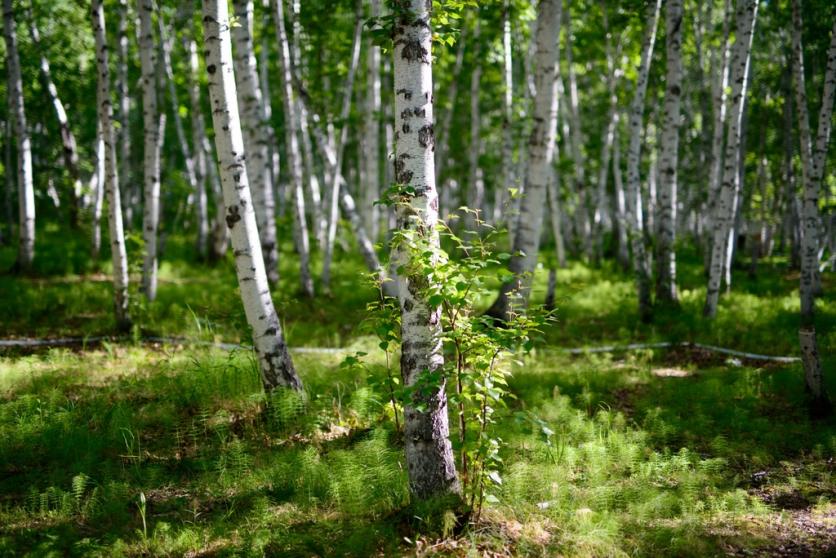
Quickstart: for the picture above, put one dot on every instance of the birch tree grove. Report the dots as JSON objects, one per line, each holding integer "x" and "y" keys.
{"x": 514, "y": 294}
{"x": 669, "y": 162}
{"x": 119, "y": 255}
{"x": 723, "y": 217}
{"x": 25, "y": 186}
{"x": 153, "y": 123}
{"x": 271, "y": 350}
{"x": 635, "y": 221}
{"x": 429, "y": 456}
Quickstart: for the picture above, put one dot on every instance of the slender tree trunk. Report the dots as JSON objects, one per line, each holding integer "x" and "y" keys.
{"x": 508, "y": 175}
{"x": 443, "y": 131}
{"x": 153, "y": 123}
{"x": 371, "y": 135}
{"x": 123, "y": 117}
{"x": 723, "y": 219}
{"x": 256, "y": 134}
{"x": 813, "y": 161}
{"x": 429, "y": 455}
{"x": 475, "y": 184}
{"x": 514, "y": 294}
{"x": 634, "y": 202}
{"x": 70, "y": 149}
{"x": 623, "y": 252}
{"x": 271, "y": 350}
{"x": 300, "y": 229}
{"x": 272, "y": 144}
{"x": 9, "y": 182}
{"x": 26, "y": 189}
{"x": 119, "y": 254}
{"x": 97, "y": 185}
{"x": 198, "y": 138}
{"x": 334, "y": 206}
{"x": 666, "y": 238}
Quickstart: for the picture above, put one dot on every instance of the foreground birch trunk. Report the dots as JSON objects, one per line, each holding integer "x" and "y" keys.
{"x": 813, "y": 159}
{"x": 256, "y": 134}
{"x": 669, "y": 160}
{"x": 723, "y": 218}
{"x": 26, "y": 189}
{"x": 429, "y": 456}
{"x": 635, "y": 225}
{"x": 297, "y": 194}
{"x": 271, "y": 350}
{"x": 70, "y": 151}
{"x": 152, "y": 131}
{"x": 119, "y": 255}
{"x": 514, "y": 294}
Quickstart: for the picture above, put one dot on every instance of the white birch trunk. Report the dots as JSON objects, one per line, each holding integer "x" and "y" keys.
{"x": 475, "y": 184}
{"x": 198, "y": 138}
{"x": 119, "y": 254}
{"x": 153, "y": 124}
{"x": 514, "y": 295}
{"x": 269, "y": 343}
{"x": 122, "y": 135}
{"x": 371, "y": 135}
{"x": 669, "y": 161}
{"x": 256, "y": 134}
{"x": 723, "y": 218}
{"x": 508, "y": 178}
{"x": 97, "y": 186}
{"x": 334, "y": 203}
{"x": 623, "y": 252}
{"x": 634, "y": 199}
{"x": 429, "y": 455}
{"x": 813, "y": 159}
{"x": 26, "y": 189}
{"x": 289, "y": 97}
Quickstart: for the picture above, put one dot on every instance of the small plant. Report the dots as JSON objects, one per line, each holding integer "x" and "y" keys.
{"x": 141, "y": 506}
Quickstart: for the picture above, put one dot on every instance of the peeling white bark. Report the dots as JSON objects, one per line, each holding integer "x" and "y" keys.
{"x": 271, "y": 350}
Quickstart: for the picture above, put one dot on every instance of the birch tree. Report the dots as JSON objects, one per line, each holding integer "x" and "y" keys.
{"x": 669, "y": 160}
{"x": 429, "y": 455}
{"x": 475, "y": 184}
{"x": 334, "y": 205}
{"x": 198, "y": 127}
{"x": 813, "y": 157}
{"x": 123, "y": 115}
{"x": 300, "y": 229}
{"x": 97, "y": 186}
{"x": 370, "y": 137}
{"x": 271, "y": 350}
{"x": 119, "y": 254}
{"x": 152, "y": 130}
{"x": 508, "y": 177}
{"x": 256, "y": 134}
{"x": 723, "y": 217}
{"x": 634, "y": 199}
{"x": 25, "y": 186}
{"x": 514, "y": 294}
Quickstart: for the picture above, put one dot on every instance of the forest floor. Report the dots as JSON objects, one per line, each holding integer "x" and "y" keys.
{"x": 133, "y": 447}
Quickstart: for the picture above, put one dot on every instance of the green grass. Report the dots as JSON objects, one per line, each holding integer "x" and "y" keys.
{"x": 601, "y": 456}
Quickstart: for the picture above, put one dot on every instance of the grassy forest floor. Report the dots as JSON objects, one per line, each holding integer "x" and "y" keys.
{"x": 652, "y": 453}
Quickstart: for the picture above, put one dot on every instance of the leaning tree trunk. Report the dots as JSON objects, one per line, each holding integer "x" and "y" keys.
{"x": 26, "y": 189}
{"x": 669, "y": 161}
{"x": 429, "y": 455}
{"x": 334, "y": 206}
{"x": 514, "y": 294}
{"x": 723, "y": 218}
{"x": 256, "y": 134}
{"x": 70, "y": 149}
{"x": 152, "y": 123}
{"x": 635, "y": 228}
{"x": 300, "y": 228}
{"x": 119, "y": 254}
{"x": 812, "y": 172}
{"x": 271, "y": 350}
